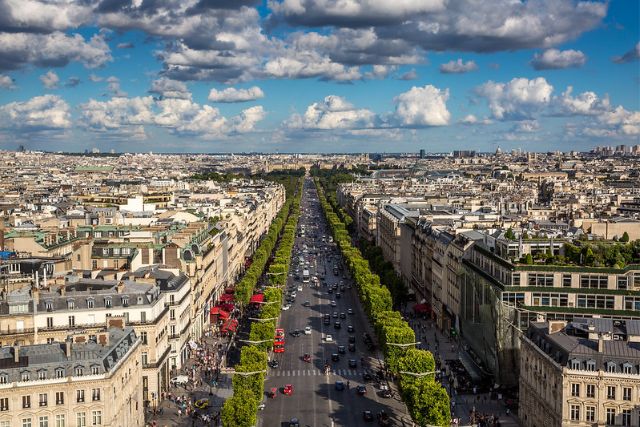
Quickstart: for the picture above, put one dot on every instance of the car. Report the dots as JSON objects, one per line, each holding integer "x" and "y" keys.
{"x": 341, "y": 349}
{"x": 352, "y": 338}
{"x": 261, "y": 406}
{"x": 179, "y": 380}
{"x": 274, "y": 363}
{"x": 338, "y": 295}
{"x": 333, "y": 304}
{"x": 343, "y": 316}
{"x": 300, "y": 287}
{"x": 328, "y": 338}
{"x": 278, "y": 348}
{"x": 352, "y": 347}
{"x": 295, "y": 333}
{"x": 307, "y": 304}
{"x": 350, "y": 311}
{"x": 327, "y": 320}
{"x": 294, "y": 422}
{"x": 386, "y": 393}
{"x": 286, "y": 307}
{"x": 367, "y": 376}
{"x": 337, "y": 325}
{"x": 307, "y": 330}
{"x": 339, "y": 385}
{"x": 335, "y": 314}
{"x": 361, "y": 390}
{"x": 353, "y": 363}
{"x": 330, "y": 291}
{"x": 287, "y": 390}
{"x": 350, "y": 328}
{"x": 202, "y": 403}
{"x": 367, "y": 416}
{"x": 335, "y": 357}
{"x": 294, "y": 294}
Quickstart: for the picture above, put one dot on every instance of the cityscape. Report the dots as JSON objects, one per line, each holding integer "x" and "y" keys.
{"x": 319, "y": 213}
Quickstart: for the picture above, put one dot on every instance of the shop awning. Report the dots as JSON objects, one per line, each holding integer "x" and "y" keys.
{"x": 226, "y": 297}
{"x": 227, "y": 307}
{"x": 229, "y": 291}
{"x": 257, "y": 298}
{"x": 421, "y": 308}
{"x": 219, "y": 311}
{"x": 230, "y": 325}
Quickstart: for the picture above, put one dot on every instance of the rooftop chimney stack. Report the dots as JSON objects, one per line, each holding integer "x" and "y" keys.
{"x": 600, "y": 344}
{"x": 67, "y": 347}
{"x": 16, "y": 352}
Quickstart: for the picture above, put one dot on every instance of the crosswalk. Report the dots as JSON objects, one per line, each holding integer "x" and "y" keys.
{"x": 313, "y": 372}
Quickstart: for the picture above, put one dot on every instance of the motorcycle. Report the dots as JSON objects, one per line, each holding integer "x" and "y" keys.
{"x": 307, "y": 358}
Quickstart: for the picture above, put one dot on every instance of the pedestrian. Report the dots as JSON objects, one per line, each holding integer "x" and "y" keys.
{"x": 179, "y": 412}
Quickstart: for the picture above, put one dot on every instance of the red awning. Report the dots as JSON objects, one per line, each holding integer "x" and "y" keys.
{"x": 214, "y": 310}
{"x": 226, "y": 297}
{"x": 257, "y": 298}
{"x": 219, "y": 311}
{"x": 227, "y": 307}
{"x": 230, "y": 325}
{"x": 229, "y": 291}
{"x": 421, "y": 308}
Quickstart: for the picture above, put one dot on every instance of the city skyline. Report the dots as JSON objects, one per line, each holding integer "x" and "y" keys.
{"x": 366, "y": 76}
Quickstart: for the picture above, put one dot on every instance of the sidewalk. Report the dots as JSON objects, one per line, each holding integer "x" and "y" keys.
{"x": 463, "y": 405}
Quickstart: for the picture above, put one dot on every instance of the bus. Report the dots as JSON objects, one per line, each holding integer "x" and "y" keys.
{"x": 278, "y": 341}
{"x": 305, "y": 276}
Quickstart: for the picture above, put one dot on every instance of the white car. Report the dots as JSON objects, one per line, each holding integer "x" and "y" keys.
{"x": 300, "y": 287}
{"x": 294, "y": 294}
{"x": 307, "y": 330}
{"x": 286, "y": 306}
{"x": 333, "y": 303}
{"x": 328, "y": 338}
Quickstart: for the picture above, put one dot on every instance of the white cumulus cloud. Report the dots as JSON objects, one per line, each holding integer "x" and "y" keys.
{"x": 50, "y": 80}
{"x": 518, "y": 99}
{"x": 423, "y": 106}
{"x": 6, "y": 82}
{"x": 231, "y": 94}
{"x": 458, "y": 66}
{"x": 553, "y": 59}
{"x": 334, "y": 112}
{"x": 46, "y": 112}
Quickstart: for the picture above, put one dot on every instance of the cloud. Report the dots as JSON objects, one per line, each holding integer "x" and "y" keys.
{"x": 458, "y": 66}
{"x": 310, "y": 64}
{"x": 409, "y": 75}
{"x": 334, "y": 112}
{"x": 380, "y": 71}
{"x": 57, "y": 49}
{"x": 471, "y": 119}
{"x": 526, "y": 126}
{"x": 632, "y": 55}
{"x": 72, "y": 81}
{"x": 6, "y": 82}
{"x": 423, "y": 106}
{"x": 41, "y": 16}
{"x": 94, "y": 78}
{"x": 518, "y": 99}
{"x": 554, "y": 59}
{"x": 50, "y": 80}
{"x": 125, "y": 45}
{"x": 586, "y": 104}
{"x": 236, "y": 95}
{"x": 117, "y": 117}
{"x": 167, "y": 88}
{"x": 41, "y": 113}
{"x": 113, "y": 86}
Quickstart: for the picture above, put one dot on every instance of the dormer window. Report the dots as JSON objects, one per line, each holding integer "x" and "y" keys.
{"x": 575, "y": 364}
{"x": 42, "y": 375}
{"x": 627, "y": 368}
{"x": 4, "y": 378}
{"x": 79, "y": 371}
{"x": 611, "y": 367}
{"x": 59, "y": 372}
{"x": 125, "y": 301}
{"x": 591, "y": 365}
{"x": 48, "y": 305}
{"x": 90, "y": 303}
{"x": 71, "y": 304}
{"x": 107, "y": 302}
{"x": 24, "y": 376}
{"x": 95, "y": 370}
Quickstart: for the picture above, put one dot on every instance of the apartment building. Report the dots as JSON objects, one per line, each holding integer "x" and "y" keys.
{"x": 581, "y": 373}
{"x": 84, "y": 380}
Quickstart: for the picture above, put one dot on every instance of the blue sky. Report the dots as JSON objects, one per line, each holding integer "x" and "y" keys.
{"x": 319, "y": 75}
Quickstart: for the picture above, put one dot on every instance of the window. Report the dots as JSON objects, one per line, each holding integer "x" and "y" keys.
{"x": 50, "y": 340}
{"x": 125, "y": 301}
{"x": 49, "y": 322}
{"x": 143, "y": 316}
{"x": 44, "y": 421}
{"x": 611, "y": 392}
{"x": 97, "y": 418}
{"x": 143, "y": 337}
{"x": 632, "y": 303}
{"x": 172, "y": 299}
{"x": 575, "y": 412}
{"x": 26, "y": 402}
{"x": 59, "y": 372}
{"x": 611, "y": 367}
{"x": 550, "y": 299}
{"x": 4, "y": 404}
{"x": 60, "y": 421}
{"x": 626, "y": 417}
{"x": 107, "y": 302}
{"x": 611, "y": 416}
{"x": 591, "y": 365}
{"x": 48, "y": 305}
{"x": 95, "y": 370}
{"x": 79, "y": 395}
{"x": 513, "y": 298}
{"x": 95, "y": 394}
{"x": 591, "y": 390}
{"x": 173, "y": 330}
{"x": 26, "y": 422}
{"x": 590, "y": 413}
{"x": 42, "y": 398}
{"x": 596, "y": 301}
{"x": 626, "y": 393}
{"x": 593, "y": 281}
{"x": 623, "y": 282}
{"x": 627, "y": 368}
{"x": 90, "y": 303}
{"x": 25, "y": 376}
{"x": 4, "y": 378}
{"x": 575, "y": 390}
{"x": 540, "y": 279}
{"x": 5, "y": 424}
{"x": 42, "y": 375}
{"x": 72, "y": 320}
{"x": 566, "y": 280}
{"x": 79, "y": 371}
{"x": 94, "y": 264}
{"x": 575, "y": 364}
{"x": 145, "y": 359}
{"x": 172, "y": 314}
{"x": 71, "y": 304}
{"x": 81, "y": 419}
{"x": 59, "y": 398}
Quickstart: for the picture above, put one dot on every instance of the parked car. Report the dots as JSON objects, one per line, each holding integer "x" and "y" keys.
{"x": 353, "y": 363}
{"x": 361, "y": 390}
{"x": 339, "y": 385}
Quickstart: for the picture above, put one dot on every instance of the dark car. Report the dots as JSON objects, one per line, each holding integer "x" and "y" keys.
{"x": 361, "y": 390}
{"x": 327, "y": 319}
{"x": 273, "y": 363}
{"x": 337, "y": 325}
{"x": 367, "y": 376}
{"x": 352, "y": 338}
{"x": 341, "y": 349}
{"x": 350, "y": 311}
{"x": 385, "y": 393}
{"x": 338, "y": 295}
{"x": 350, "y": 328}
{"x": 367, "y": 416}
{"x": 307, "y": 304}
{"x": 294, "y": 422}
{"x": 335, "y": 357}
{"x": 353, "y": 363}
{"x": 330, "y": 291}
{"x": 352, "y": 347}
{"x": 343, "y": 316}
{"x": 295, "y": 333}
{"x": 339, "y": 385}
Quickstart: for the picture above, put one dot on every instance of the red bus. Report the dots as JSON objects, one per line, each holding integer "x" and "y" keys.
{"x": 278, "y": 341}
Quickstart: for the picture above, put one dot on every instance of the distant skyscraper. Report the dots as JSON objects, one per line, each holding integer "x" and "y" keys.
{"x": 422, "y": 153}
{"x": 21, "y": 149}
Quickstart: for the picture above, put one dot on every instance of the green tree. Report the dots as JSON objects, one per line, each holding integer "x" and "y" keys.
{"x": 528, "y": 259}
{"x": 240, "y": 410}
{"x": 625, "y": 237}
{"x": 510, "y": 234}
{"x": 429, "y": 404}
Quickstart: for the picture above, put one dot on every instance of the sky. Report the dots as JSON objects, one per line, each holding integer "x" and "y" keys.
{"x": 318, "y": 75}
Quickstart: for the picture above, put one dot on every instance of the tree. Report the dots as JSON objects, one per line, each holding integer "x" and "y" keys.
{"x": 240, "y": 410}
{"x": 510, "y": 234}
{"x": 528, "y": 259}
{"x": 428, "y": 403}
{"x": 625, "y": 237}
{"x": 417, "y": 361}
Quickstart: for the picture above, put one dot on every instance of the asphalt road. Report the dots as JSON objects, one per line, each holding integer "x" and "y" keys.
{"x": 315, "y": 400}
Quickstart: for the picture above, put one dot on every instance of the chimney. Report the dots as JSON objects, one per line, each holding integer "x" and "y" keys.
{"x": 63, "y": 289}
{"x": 67, "y": 347}
{"x": 16, "y": 352}
{"x": 120, "y": 287}
{"x": 600, "y": 344}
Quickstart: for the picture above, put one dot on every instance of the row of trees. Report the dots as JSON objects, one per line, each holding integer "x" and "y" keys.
{"x": 384, "y": 269}
{"x": 241, "y": 409}
{"x": 427, "y": 401}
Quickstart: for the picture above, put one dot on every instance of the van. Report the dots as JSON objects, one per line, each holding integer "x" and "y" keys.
{"x": 180, "y": 380}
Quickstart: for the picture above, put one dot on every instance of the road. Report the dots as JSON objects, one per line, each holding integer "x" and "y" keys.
{"x": 315, "y": 400}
